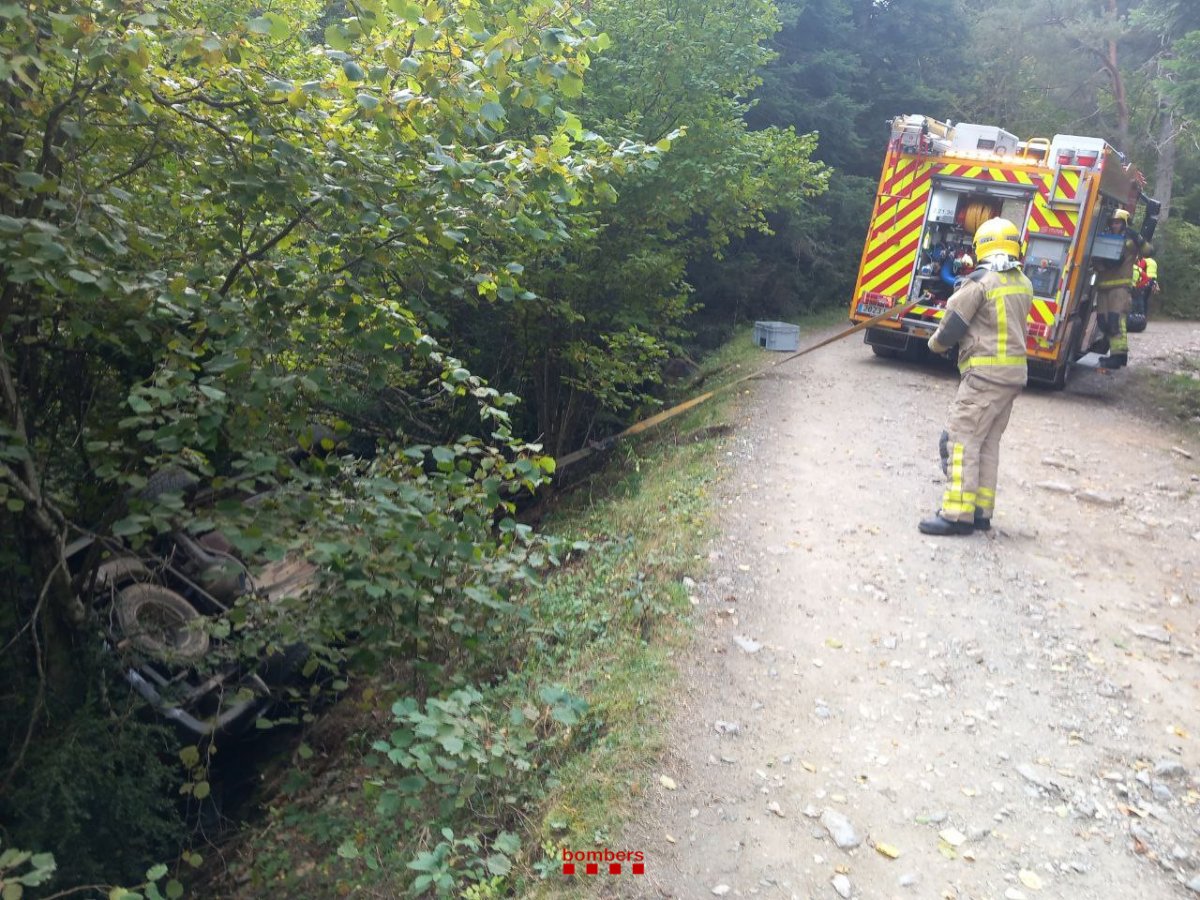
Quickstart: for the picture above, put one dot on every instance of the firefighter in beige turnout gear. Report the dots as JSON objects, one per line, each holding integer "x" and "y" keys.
{"x": 1114, "y": 298}
{"x": 986, "y": 317}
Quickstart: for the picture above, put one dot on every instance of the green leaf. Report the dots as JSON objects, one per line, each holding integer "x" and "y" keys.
{"x": 367, "y": 101}
{"x": 571, "y": 85}
{"x": 347, "y": 850}
{"x": 29, "y": 179}
{"x": 507, "y": 842}
{"x": 174, "y": 889}
{"x": 156, "y": 872}
{"x": 492, "y": 112}
{"x": 259, "y": 25}
{"x": 13, "y": 11}
{"x": 13, "y": 891}
{"x": 81, "y": 276}
{"x": 336, "y": 37}
{"x": 499, "y": 864}
{"x": 201, "y": 790}
{"x": 354, "y": 71}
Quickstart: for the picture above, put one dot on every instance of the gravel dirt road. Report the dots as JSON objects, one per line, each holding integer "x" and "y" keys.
{"x": 1009, "y": 715}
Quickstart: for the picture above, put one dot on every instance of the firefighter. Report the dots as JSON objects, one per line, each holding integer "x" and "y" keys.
{"x": 986, "y": 318}
{"x": 1113, "y": 296}
{"x": 1144, "y": 285}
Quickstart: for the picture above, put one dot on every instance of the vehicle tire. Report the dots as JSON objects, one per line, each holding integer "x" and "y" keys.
{"x": 171, "y": 480}
{"x": 1074, "y": 335}
{"x": 1135, "y": 323}
{"x": 160, "y": 623}
{"x": 112, "y": 573}
{"x": 884, "y": 352}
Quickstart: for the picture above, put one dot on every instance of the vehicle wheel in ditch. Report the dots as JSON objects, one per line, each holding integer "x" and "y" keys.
{"x": 161, "y": 623}
{"x": 112, "y": 573}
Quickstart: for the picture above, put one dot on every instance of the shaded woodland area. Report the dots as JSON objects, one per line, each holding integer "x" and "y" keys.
{"x": 356, "y": 272}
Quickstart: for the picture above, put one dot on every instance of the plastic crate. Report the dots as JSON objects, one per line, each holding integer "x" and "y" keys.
{"x": 777, "y": 336}
{"x": 1108, "y": 247}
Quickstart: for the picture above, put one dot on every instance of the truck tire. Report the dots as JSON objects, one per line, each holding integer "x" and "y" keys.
{"x": 1063, "y": 372}
{"x": 884, "y": 352}
{"x": 160, "y": 623}
{"x": 1135, "y": 323}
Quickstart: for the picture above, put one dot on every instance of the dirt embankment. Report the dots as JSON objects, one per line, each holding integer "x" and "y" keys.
{"x": 1009, "y": 715}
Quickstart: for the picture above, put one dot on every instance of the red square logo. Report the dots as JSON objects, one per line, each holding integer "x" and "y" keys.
{"x": 614, "y": 868}
{"x": 568, "y": 868}
{"x": 639, "y": 868}
{"x": 592, "y": 869}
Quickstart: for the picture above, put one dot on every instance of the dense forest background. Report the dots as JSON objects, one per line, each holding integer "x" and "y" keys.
{"x": 457, "y": 239}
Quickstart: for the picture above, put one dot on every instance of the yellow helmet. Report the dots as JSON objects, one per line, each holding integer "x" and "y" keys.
{"x": 997, "y": 236}
{"x": 1120, "y": 215}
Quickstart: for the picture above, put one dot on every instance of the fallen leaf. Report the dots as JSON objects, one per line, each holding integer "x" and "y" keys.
{"x": 668, "y": 783}
{"x": 833, "y": 643}
{"x": 670, "y": 840}
{"x": 1031, "y": 880}
{"x": 808, "y": 766}
{"x": 887, "y": 850}
{"x": 946, "y": 850}
{"x": 1180, "y": 731}
{"x": 970, "y": 792}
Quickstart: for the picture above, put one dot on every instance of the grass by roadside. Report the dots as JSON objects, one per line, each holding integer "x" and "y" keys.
{"x": 1175, "y": 395}
{"x": 602, "y": 631}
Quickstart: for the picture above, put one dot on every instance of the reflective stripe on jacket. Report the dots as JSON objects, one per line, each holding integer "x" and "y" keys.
{"x": 995, "y": 306}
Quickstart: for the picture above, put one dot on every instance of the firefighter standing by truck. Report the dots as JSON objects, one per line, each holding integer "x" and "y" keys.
{"x": 1144, "y": 285}
{"x": 1113, "y": 295}
{"x": 987, "y": 318}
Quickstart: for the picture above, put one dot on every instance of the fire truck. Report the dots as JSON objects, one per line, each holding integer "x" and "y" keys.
{"x": 941, "y": 181}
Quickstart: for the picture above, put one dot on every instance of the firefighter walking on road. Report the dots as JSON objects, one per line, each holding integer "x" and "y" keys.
{"x": 1113, "y": 296}
{"x": 986, "y": 318}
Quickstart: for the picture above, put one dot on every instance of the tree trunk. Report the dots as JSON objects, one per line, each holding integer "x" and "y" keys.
{"x": 1118, "y": 86}
{"x": 1164, "y": 176}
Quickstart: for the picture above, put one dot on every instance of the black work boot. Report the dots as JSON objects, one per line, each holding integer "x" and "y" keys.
{"x": 938, "y": 525}
{"x": 982, "y": 522}
{"x": 1114, "y": 360}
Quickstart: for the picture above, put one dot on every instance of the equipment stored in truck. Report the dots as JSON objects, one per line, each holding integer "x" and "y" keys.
{"x": 941, "y": 181}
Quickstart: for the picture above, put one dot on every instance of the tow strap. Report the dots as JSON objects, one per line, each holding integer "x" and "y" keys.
{"x": 658, "y": 418}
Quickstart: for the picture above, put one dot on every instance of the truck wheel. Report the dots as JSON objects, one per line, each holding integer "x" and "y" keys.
{"x": 160, "y": 623}
{"x": 884, "y": 352}
{"x": 1063, "y": 372}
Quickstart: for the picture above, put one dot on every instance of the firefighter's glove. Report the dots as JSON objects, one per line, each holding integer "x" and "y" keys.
{"x": 936, "y": 347}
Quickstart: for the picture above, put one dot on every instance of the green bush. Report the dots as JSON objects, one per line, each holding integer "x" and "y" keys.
{"x": 1179, "y": 270}
{"x": 97, "y": 794}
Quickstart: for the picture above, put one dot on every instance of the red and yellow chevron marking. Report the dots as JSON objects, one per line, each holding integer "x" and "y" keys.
{"x": 1068, "y": 185}
{"x": 895, "y": 234}
{"x": 988, "y": 173}
{"x": 1041, "y": 323}
{"x": 1044, "y": 218}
